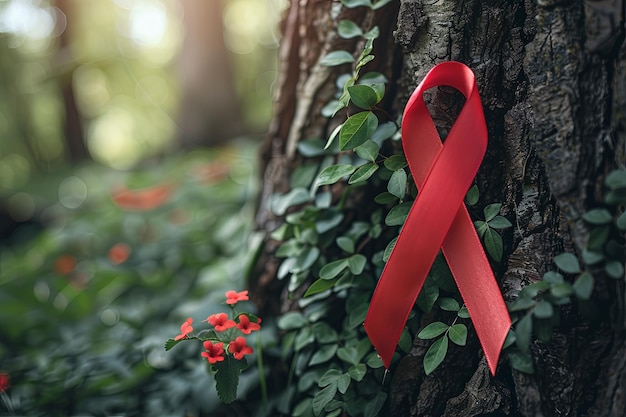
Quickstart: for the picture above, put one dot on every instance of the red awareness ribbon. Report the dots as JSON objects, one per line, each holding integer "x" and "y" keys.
{"x": 439, "y": 219}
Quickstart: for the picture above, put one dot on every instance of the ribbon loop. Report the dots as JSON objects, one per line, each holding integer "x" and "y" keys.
{"x": 439, "y": 219}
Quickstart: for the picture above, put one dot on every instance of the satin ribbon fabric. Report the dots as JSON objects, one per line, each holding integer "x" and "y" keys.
{"x": 439, "y": 219}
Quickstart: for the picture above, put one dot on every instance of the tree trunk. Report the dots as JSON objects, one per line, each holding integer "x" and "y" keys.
{"x": 210, "y": 111}
{"x": 551, "y": 75}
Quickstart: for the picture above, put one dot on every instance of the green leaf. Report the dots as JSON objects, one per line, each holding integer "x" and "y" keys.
{"x": 614, "y": 269}
{"x": 583, "y": 286}
{"x": 349, "y": 355}
{"x": 171, "y": 343}
{"x": 621, "y": 222}
{"x": 374, "y": 361}
{"x": 500, "y": 222}
{"x": 323, "y": 397}
{"x": 471, "y": 198}
{"x": 346, "y": 244}
{"x": 433, "y": 330}
{"x": 319, "y": 286}
{"x": 481, "y": 228}
{"x": 373, "y": 407}
{"x": 303, "y": 408}
{"x": 523, "y": 330}
{"x": 296, "y": 196}
{"x": 592, "y": 258}
{"x": 363, "y": 96}
{"x": 227, "y": 377}
{"x": 543, "y": 310}
{"x": 521, "y": 361}
{"x": 616, "y": 179}
{"x": 384, "y": 132}
{"x": 552, "y": 277}
{"x": 356, "y": 3}
{"x": 615, "y": 197}
{"x": 458, "y": 334}
{"x": 306, "y": 259}
{"x": 531, "y": 290}
{"x": 564, "y": 289}
{"x": 435, "y": 355}
{"x": 324, "y": 333}
{"x": 343, "y": 383}
{"x": 463, "y": 313}
{"x": 332, "y": 136}
{"x": 398, "y": 214}
{"x": 347, "y": 29}
{"x": 397, "y": 183}
{"x": 405, "y": 342}
{"x": 567, "y": 263}
{"x": 598, "y": 237}
{"x": 428, "y": 296}
{"x": 292, "y": 320}
{"x": 598, "y": 217}
{"x": 323, "y": 354}
{"x": 335, "y": 58}
{"x": 357, "y": 130}
{"x": 356, "y": 263}
{"x": 522, "y": 303}
{"x": 334, "y": 268}
{"x": 334, "y": 173}
{"x": 329, "y": 377}
{"x": 303, "y": 338}
{"x": 368, "y": 150}
{"x": 493, "y": 244}
{"x": 357, "y": 372}
{"x": 385, "y": 198}
{"x": 395, "y": 162}
{"x": 492, "y": 211}
{"x": 449, "y": 304}
{"x": 380, "y": 3}
{"x": 389, "y": 249}
{"x": 363, "y": 173}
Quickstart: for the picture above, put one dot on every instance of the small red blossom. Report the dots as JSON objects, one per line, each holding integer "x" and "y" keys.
{"x": 233, "y": 297}
{"x": 246, "y": 326}
{"x": 142, "y": 200}
{"x": 220, "y": 321}
{"x": 239, "y": 348}
{"x": 214, "y": 352}
{"x": 185, "y": 329}
{"x": 64, "y": 264}
{"x": 5, "y": 382}
{"x": 119, "y": 253}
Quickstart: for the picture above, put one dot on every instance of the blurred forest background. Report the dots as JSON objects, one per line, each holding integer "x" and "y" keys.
{"x": 128, "y": 139}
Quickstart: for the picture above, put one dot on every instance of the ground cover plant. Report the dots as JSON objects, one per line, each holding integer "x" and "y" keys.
{"x": 121, "y": 260}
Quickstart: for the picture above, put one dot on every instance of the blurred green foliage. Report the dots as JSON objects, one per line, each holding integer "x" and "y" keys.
{"x": 86, "y": 338}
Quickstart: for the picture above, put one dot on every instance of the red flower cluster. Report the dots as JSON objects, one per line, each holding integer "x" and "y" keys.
{"x": 185, "y": 329}
{"x": 214, "y": 350}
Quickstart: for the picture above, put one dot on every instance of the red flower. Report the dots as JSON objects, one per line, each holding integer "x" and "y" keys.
{"x": 64, "y": 264}
{"x": 214, "y": 352}
{"x": 239, "y": 348}
{"x": 232, "y": 297}
{"x": 119, "y": 253}
{"x": 246, "y": 326}
{"x": 220, "y": 321}
{"x": 142, "y": 200}
{"x": 185, "y": 329}
{"x": 5, "y": 382}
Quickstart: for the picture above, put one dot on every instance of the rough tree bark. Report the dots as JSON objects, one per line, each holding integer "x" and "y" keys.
{"x": 552, "y": 76}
